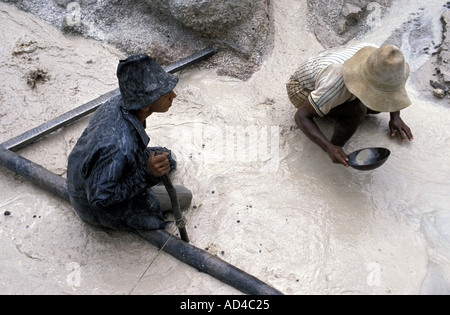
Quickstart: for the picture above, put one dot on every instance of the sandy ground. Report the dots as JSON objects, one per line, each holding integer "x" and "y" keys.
{"x": 265, "y": 198}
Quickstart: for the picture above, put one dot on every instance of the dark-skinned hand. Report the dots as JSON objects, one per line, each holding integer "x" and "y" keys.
{"x": 158, "y": 164}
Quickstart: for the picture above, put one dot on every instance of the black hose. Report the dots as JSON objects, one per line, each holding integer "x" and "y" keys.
{"x": 191, "y": 255}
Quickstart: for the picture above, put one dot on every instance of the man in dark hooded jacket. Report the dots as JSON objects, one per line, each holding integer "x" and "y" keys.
{"x": 111, "y": 171}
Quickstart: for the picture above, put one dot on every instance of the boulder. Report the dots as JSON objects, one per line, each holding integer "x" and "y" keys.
{"x": 241, "y": 27}
{"x": 168, "y": 29}
{"x": 344, "y": 20}
{"x": 210, "y": 18}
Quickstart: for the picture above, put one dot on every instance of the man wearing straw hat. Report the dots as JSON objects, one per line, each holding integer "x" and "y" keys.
{"x": 347, "y": 83}
{"x": 112, "y": 175}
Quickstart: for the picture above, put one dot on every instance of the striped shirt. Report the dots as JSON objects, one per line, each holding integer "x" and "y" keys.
{"x": 322, "y": 74}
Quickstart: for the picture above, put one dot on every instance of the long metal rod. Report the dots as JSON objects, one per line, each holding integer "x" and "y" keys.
{"x": 189, "y": 254}
{"x": 34, "y": 134}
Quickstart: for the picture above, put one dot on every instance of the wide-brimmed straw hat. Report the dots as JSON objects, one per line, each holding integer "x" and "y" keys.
{"x": 377, "y": 76}
{"x": 142, "y": 81}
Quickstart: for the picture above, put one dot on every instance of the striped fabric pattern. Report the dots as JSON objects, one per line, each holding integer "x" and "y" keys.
{"x": 320, "y": 79}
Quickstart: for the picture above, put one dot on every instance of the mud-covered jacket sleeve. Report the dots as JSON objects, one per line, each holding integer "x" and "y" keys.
{"x": 116, "y": 177}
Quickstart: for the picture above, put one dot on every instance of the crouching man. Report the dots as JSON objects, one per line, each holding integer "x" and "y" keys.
{"x": 348, "y": 83}
{"x": 111, "y": 171}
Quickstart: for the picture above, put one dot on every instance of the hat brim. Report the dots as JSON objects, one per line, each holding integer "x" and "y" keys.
{"x": 372, "y": 98}
{"x": 145, "y": 100}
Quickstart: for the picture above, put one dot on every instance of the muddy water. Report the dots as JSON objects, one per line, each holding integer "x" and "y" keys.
{"x": 265, "y": 198}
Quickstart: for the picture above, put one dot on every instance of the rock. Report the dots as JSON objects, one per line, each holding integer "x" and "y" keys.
{"x": 239, "y": 26}
{"x": 439, "y": 93}
{"x": 343, "y": 20}
{"x": 168, "y": 29}
{"x": 209, "y": 18}
{"x": 440, "y": 61}
{"x": 352, "y": 14}
{"x": 438, "y": 85}
{"x": 444, "y": 51}
{"x": 72, "y": 20}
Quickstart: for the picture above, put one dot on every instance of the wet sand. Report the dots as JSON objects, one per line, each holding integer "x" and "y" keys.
{"x": 265, "y": 198}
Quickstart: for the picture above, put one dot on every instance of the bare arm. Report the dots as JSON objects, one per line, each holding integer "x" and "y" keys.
{"x": 305, "y": 121}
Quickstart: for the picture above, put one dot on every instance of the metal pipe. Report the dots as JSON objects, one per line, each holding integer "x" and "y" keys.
{"x": 35, "y": 173}
{"x": 191, "y": 255}
{"x": 209, "y": 264}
